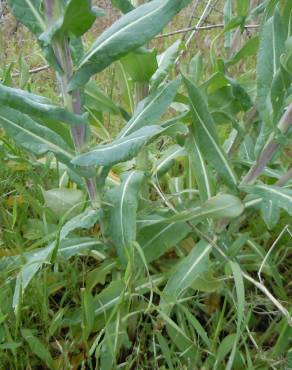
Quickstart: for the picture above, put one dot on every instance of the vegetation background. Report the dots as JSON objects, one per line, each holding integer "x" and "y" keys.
{"x": 63, "y": 320}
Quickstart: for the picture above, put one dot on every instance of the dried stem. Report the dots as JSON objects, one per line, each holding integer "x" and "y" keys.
{"x": 201, "y": 28}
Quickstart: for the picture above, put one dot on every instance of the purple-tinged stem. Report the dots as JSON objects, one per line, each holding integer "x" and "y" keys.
{"x": 49, "y": 5}
{"x": 71, "y": 102}
{"x": 285, "y": 178}
{"x": 270, "y": 149}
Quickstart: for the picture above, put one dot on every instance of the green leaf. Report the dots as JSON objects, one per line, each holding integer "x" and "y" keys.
{"x": 140, "y": 64}
{"x": 122, "y": 211}
{"x": 29, "y": 13}
{"x": 97, "y": 100}
{"x": 218, "y": 207}
{"x": 156, "y": 240}
{"x": 272, "y": 45}
{"x": 227, "y": 18}
{"x": 85, "y": 220}
{"x": 120, "y": 150}
{"x": 165, "y": 63}
{"x": 81, "y": 246}
{"x": 205, "y": 131}
{"x": 29, "y": 269}
{"x": 87, "y": 306}
{"x": 202, "y": 173}
{"x": 196, "y": 68}
{"x": 36, "y": 105}
{"x": 270, "y": 213}
{"x": 224, "y": 348}
{"x": 63, "y": 200}
{"x": 281, "y": 197}
{"x": 32, "y": 136}
{"x": 167, "y": 159}
{"x": 78, "y": 17}
{"x": 188, "y": 270}
{"x": 131, "y": 31}
{"x": 38, "y": 348}
{"x": 242, "y": 7}
{"x": 150, "y": 109}
{"x": 240, "y": 308}
{"x": 249, "y": 48}
{"x": 125, "y": 6}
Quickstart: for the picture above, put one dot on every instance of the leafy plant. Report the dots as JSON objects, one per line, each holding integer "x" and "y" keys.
{"x": 172, "y": 198}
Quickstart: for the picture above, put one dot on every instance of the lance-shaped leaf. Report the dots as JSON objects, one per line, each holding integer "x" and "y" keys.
{"x": 77, "y": 18}
{"x": 29, "y": 13}
{"x": 156, "y": 240}
{"x": 122, "y": 211}
{"x": 187, "y": 271}
{"x": 202, "y": 174}
{"x": 28, "y": 271}
{"x": 281, "y": 197}
{"x": 270, "y": 213}
{"x": 119, "y": 150}
{"x": 38, "y": 348}
{"x": 165, "y": 63}
{"x": 33, "y": 136}
{"x": 205, "y": 131}
{"x": 130, "y": 32}
{"x": 36, "y": 105}
{"x": 220, "y": 206}
{"x": 271, "y": 47}
{"x": 249, "y": 48}
{"x": 152, "y": 108}
{"x": 168, "y": 158}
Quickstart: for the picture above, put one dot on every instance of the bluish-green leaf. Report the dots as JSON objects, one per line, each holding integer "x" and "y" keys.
{"x": 150, "y": 109}
{"x": 167, "y": 159}
{"x": 63, "y": 200}
{"x": 130, "y": 32}
{"x": 36, "y": 105}
{"x": 282, "y": 197}
{"x": 33, "y": 136}
{"x": 29, "y": 13}
{"x": 165, "y": 63}
{"x": 205, "y": 131}
{"x": 218, "y": 207}
{"x": 122, "y": 211}
{"x": 119, "y": 150}
{"x": 187, "y": 270}
{"x": 272, "y": 45}
{"x": 156, "y": 240}
{"x": 201, "y": 171}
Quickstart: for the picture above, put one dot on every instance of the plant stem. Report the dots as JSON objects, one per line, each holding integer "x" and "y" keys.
{"x": 270, "y": 149}
{"x": 71, "y": 101}
{"x": 285, "y": 178}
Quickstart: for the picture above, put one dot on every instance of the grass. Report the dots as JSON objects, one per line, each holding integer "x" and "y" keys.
{"x": 55, "y": 325}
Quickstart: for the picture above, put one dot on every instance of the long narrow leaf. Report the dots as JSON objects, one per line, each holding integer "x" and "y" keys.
{"x": 131, "y": 31}
{"x": 205, "y": 131}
